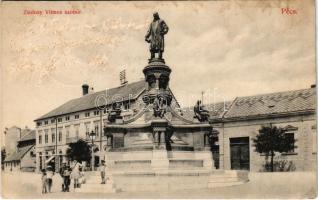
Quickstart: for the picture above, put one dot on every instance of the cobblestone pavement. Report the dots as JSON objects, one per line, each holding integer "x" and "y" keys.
{"x": 261, "y": 185}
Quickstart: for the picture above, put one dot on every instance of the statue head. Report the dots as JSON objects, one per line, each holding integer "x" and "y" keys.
{"x": 156, "y": 16}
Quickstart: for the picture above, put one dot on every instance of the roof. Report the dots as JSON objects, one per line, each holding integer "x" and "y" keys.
{"x": 275, "y": 103}
{"x": 19, "y": 154}
{"x": 288, "y": 102}
{"x": 28, "y": 135}
{"x": 129, "y": 91}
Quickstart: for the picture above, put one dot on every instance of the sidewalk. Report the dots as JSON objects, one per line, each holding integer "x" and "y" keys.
{"x": 261, "y": 185}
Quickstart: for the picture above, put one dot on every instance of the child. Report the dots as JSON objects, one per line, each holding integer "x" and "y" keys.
{"x": 102, "y": 169}
{"x": 44, "y": 181}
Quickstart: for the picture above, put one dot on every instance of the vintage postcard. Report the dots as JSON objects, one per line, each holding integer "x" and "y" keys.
{"x": 167, "y": 99}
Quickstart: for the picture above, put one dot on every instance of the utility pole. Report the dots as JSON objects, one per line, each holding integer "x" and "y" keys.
{"x": 57, "y": 165}
{"x": 101, "y": 131}
{"x": 202, "y": 93}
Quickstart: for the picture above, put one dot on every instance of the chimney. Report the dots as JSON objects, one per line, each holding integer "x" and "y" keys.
{"x": 313, "y": 86}
{"x": 122, "y": 77}
{"x": 85, "y": 89}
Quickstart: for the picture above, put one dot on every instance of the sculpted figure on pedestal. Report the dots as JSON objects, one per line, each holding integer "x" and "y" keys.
{"x": 114, "y": 113}
{"x": 159, "y": 107}
{"x": 155, "y": 35}
{"x": 200, "y": 113}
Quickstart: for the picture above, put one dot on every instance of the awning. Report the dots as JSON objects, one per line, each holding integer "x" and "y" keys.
{"x": 48, "y": 160}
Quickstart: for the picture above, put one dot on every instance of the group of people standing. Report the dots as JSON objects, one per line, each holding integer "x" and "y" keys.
{"x": 67, "y": 172}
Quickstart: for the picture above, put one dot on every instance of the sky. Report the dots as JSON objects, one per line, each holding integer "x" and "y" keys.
{"x": 223, "y": 48}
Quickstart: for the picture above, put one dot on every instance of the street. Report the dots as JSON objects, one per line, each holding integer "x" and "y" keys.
{"x": 261, "y": 185}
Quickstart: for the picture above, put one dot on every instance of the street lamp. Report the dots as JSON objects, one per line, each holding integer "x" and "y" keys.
{"x": 92, "y": 136}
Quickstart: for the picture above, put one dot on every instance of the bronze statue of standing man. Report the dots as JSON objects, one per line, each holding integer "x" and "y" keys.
{"x": 155, "y": 36}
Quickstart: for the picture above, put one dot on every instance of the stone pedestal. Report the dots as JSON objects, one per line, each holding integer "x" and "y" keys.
{"x": 119, "y": 120}
{"x": 206, "y": 156}
{"x": 160, "y": 159}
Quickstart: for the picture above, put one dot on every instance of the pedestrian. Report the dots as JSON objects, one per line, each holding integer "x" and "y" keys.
{"x": 67, "y": 179}
{"x": 75, "y": 175}
{"x": 61, "y": 174}
{"x": 49, "y": 174}
{"x": 44, "y": 182}
{"x": 82, "y": 178}
{"x": 102, "y": 169}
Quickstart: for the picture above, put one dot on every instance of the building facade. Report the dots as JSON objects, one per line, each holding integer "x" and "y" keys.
{"x": 241, "y": 120}
{"x": 23, "y": 159}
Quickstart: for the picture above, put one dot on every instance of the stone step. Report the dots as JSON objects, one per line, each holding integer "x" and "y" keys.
{"x": 228, "y": 178}
{"x": 151, "y": 172}
{"x": 160, "y": 183}
{"x": 223, "y": 179}
{"x": 169, "y": 179}
{"x": 185, "y": 163}
{"x": 224, "y": 184}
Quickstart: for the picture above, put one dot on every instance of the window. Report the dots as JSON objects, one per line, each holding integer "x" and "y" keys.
{"x": 76, "y": 116}
{"x": 59, "y": 120}
{"x": 76, "y": 127}
{"x": 46, "y": 122}
{"x": 87, "y": 114}
{"x": 96, "y": 112}
{"x": 67, "y": 130}
{"x": 38, "y": 123}
{"x": 67, "y": 118}
{"x": 60, "y": 135}
{"x": 53, "y": 137}
{"x": 87, "y": 129}
{"x": 290, "y": 137}
{"x": 52, "y": 121}
{"x": 96, "y": 128}
{"x": 40, "y": 139}
{"x": 46, "y": 137}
